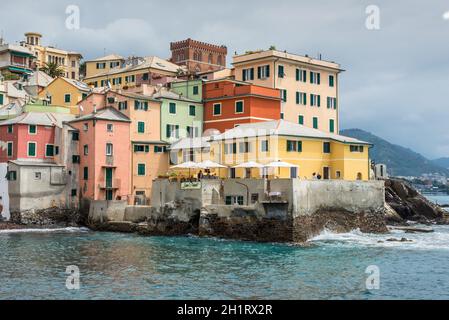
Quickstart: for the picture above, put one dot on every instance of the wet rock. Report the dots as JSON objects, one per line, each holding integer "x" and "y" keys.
{"x": 398, "y": 240}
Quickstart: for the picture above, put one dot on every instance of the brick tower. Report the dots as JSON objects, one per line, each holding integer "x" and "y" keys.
{"x": 198, "y": 56}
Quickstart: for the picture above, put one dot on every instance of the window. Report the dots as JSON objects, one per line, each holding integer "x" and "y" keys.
{"x": 234, "y": 200}
{"x": 337, "y": 174}
{"x": 141, "y": 169}
{"x": 196, "y": 90}
{"x": 73, "y": 192}
{"x": 37, "y": 176}
{"x": 356, "y": 149}
{"x": 230, "y": 148}
{"x": 239, "y": 107}
{"x": 172, "y": 131}
{"x": 264, "y": 145}
{"x": 159, "y": 149}
{"x": 75, "y": 136}
{"x": 331, "y": 103}
{"x": 315, "y": 100}
{"x": 67, "y": 98}
{"x": 1, "y": 99}
{"x": 31, "y": 149}
{"x": 101, "y": 65}
{"x": 331, "y": 125}
{"x": 192, "y": 110}
{"x": 315, "y": 77}
{"x": 129, "y": 79}
{"x": 315, "y": 122}
{"x": 248, "y": 74}
{"x": 86, "y": 149}
{"x": 117, "y": 81}
{"x": 192, "y": 131}
{"x": 326, "y": 147}
{"x": 123, "y": 105}
{"x": 301, "y": 98}
{"x": 281, "y": 72}
{"x": 114, "y": 64}
{"x": 140, "y": 105}
{"x": 294, "y": 146}
{"x": 10, "y": 128}
{"x": 331, "y": 80}
{"x": 49, "y": 150}
{"x": 109, "y": 149}
{"x": 254, "y": 198}
{"x": 145, "y": 76}
{"x": 56, "y": 150}
{"x": 76, "y": 159}
{"x": 141, "y": 148}
{"x": 32, "y": 129}
{"x": 301, "y": 119}
{"x": 110, "y": 127}
{"x": 284, "y": 95}
{"x": 85, "y": 127}
{"x": 10, "y": 149}
{"x": 85, "y": 173}
{"x": 217, "y": 109}
{"x": 12, "y": 175}
{"x": 301, "y": 75}
{"x": 172, "y": 108}
{"x": 141, "y": 127}
{"x": 263, "y": 72}
{"x": 282, "y": 115}
{"x": 244, "y": 147}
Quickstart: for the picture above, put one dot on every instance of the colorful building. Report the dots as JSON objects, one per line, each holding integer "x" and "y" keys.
{"x": 229, "y": 103}
{"x": 180, "y": 117}
{"x": 135, "y": 72}
{"x": 308, "y": 150}
{"x": 67, "y": 60}
{"x": 16, "y": 60}
{"x": 309, "y": 87}
{"x": 190, "y": 89}
{"x": 198, "y": 56}
{"x": 105, "y": 146}
{"x": 65, "y": 92}
{"x": 149, "y": 157}
{"x": 103, "y": 65}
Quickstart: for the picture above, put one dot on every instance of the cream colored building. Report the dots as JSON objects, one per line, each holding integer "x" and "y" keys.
{"x": 309, "y": 87}
{"x": 103, "y": 65}
{"x": 67, "y": 60}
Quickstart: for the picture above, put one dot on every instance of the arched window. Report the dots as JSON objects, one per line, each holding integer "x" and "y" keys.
{"x": 200, "y": 56}
{"x": 210, "y": 58}
{"x": 219, "y": 62}
{"x": 359, "y": 176}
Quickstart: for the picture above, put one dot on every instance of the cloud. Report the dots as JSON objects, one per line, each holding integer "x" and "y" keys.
{"x": 446, "y": 15}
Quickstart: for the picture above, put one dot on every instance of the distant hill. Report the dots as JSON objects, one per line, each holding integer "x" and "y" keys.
{"x": 400, "y": 161}
{"x": 442, "y": 162}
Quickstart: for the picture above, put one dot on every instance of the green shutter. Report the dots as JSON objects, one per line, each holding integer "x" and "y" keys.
{"x": 268, "y": 71}
{"x": 141, "y": 169}
{"x": 195, "y": 90}
{"x": 10, "y": 149}
{"x": 239, "y": 107}
{"x": 259, "y": 72}
{"x": 49, "y": 150}
{"x": 192, "y": 110}
{"x": 299, "y": 149}
{"x": 32, "y": 149}
{"x": 172, "y": 108}
{"x": 1, "y": 98}
{"x": 315, "y": 123}
{"x": 32, "y": 128}
{"x": 298, "y": 97}
{"x": 67, "y": 98}
{"x": 301, "y": 119}
{"x": 141, "y": 127}
{"x": 331, "y": 125}
{"x": 297, "y": 74}
{"x": 136, "y": 104}
{"x": 168, "y": 129}
{"x": 86, "y": 173}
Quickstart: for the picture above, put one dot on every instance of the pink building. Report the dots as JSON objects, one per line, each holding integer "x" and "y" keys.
{"x": 104, "y": 140}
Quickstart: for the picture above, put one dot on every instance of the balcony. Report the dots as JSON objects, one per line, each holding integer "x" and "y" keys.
{"x": 109, "y": 162}
{"x": 110, "y": 184}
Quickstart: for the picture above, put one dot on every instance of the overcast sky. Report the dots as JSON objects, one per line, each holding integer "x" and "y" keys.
{"x": 396, "y": 83}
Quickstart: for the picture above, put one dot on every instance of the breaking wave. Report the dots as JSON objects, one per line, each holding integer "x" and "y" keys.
{"x": 45, "y": 230}
{"x": 437, "y": 240}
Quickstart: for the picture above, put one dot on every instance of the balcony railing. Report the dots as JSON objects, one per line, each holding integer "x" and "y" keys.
{"x": 110, "y": 184}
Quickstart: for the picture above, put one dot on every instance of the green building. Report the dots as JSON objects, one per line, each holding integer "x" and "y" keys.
{"x": 190, "y": 89}
{"x": 180, "y": 117}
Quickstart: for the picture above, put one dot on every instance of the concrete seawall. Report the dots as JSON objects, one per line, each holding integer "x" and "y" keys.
{"x": 282, "y": 210}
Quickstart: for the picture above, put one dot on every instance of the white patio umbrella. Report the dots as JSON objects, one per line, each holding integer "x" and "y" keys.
{"x": 187, "y": 165}
{"x": 249, "y": 164}
{"x": 208, "y": 164}
{"x": 280, "y": 164}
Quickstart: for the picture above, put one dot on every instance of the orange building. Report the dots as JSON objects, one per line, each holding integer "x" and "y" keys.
{"x": 228, "y": 103}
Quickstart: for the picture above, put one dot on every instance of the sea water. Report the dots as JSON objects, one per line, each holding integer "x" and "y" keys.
{"x": 33, "y": 265}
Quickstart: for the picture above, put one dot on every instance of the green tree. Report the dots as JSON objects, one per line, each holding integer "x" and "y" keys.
{"x": 272, "y": 47}
{"x": 53, "y": 70}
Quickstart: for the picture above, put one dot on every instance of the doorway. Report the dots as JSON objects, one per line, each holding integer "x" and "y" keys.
{"x": 326, "y": 173}
{"x": 294, "y": 172}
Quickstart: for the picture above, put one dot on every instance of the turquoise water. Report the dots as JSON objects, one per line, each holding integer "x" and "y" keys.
{"x": 122, "y": 266}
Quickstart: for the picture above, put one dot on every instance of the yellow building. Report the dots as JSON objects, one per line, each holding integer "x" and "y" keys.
{"x": 103, "y": 65}
{"x": 65, "y": 92}
{"x": 308, "y": 150}
{"x": 134, "y": 72}
{"x": 67, "y": 60}
{"x": 309, "y": 87}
